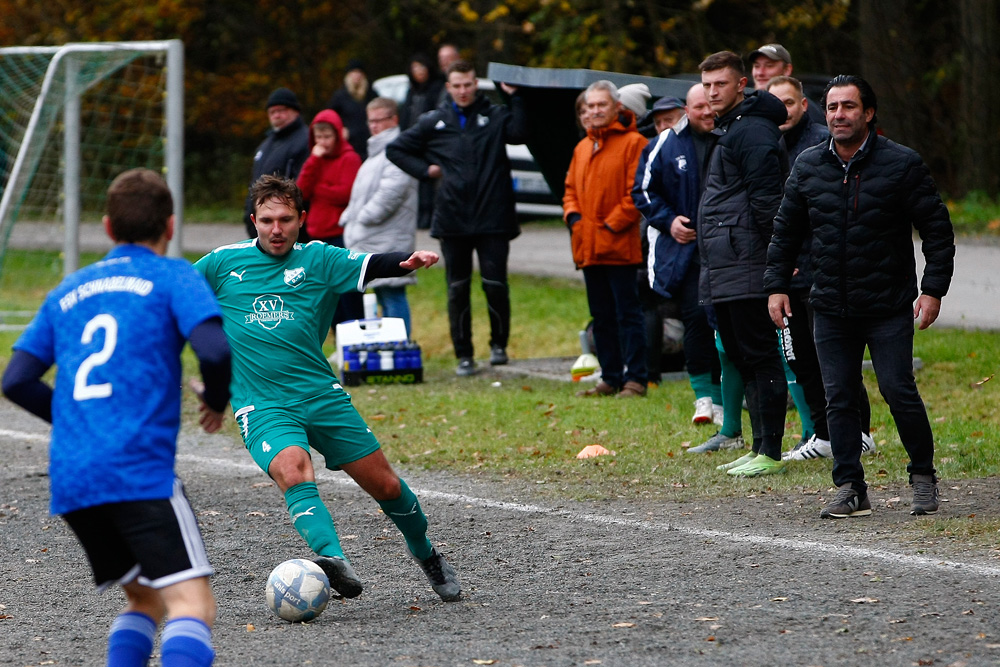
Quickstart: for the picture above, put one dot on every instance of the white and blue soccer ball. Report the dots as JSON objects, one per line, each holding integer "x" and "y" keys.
{"x": 298, "y": 590}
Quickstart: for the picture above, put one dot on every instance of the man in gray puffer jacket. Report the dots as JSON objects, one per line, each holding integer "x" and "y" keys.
{"x": 382, "y": 213}
{"x": 742, "y": 193}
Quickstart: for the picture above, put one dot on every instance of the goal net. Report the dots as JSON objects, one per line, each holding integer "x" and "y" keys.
{"x": 71, "y": 119}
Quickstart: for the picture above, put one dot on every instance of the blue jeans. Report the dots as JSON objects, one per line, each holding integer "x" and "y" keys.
{"x": 394, "y": 304}
{"x": 619, "y": 327}
{"x": 840, "y": 346}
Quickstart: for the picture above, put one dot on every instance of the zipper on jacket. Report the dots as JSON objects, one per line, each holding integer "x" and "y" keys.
{"x": 843, "y": 247}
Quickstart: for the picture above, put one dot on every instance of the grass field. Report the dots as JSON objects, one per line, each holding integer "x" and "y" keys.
{"x": 531, "y": 428}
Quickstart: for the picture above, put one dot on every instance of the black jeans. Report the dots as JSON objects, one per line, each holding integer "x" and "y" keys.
{"x": 619, "y": 330}
{"x": 840, "y": 345}
{"x": 700, "y": 355}
{"x": 800, "y": 353}
{"x": 747, "y": 334}
{"x": 492, "y": 251}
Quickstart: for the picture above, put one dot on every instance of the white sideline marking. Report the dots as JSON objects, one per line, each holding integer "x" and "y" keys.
{"x": 21, "y": 435}
{"x": 821, "y": 548}
{"x": 818, "y": 548}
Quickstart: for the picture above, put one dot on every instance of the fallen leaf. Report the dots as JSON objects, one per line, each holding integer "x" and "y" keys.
{"x": 416, "y": 608}
{"x": 707, "y": 618}
{"x": 865, "y": 600}
{"x": 591, "y": 662}
{"x": 623, "y": 625}
{"x": 484, "y": 662}
{"x": 261, "y": 485}
{"x": 256, "y": 513}
{"x": 968, "y": 612}
{"x": 779, "y": 599}
{"x": 590, "y": 451}
{"x": 983, "y": 381}
{"x": 250, "y": 627}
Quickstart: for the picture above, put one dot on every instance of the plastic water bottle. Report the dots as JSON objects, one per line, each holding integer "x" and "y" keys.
{"x": 386, "y": 360}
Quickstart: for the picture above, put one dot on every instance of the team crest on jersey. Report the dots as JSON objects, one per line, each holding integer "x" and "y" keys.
{"x": 294, "y": 277}
{"x": 482, "y": 121}
{"x": 682, "y": 163}
{"x": 269, "y": 311}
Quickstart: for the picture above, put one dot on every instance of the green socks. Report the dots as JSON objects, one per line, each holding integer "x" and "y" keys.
{"x": 732, "y": 394}
{"x": 405, "y": 512}
{"x": 313, "y": 521}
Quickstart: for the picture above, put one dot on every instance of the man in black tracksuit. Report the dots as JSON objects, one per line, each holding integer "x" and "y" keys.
{"x": 742, "y": 193}
{"x": 861, "y": 196}
{"x": 463, "y": 143}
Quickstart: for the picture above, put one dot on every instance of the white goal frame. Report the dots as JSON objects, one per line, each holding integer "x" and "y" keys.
{"x": 174, "y": 148}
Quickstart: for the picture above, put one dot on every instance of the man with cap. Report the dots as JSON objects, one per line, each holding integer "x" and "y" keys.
{"x": 350, "y": 103}
{"x": 773, "y": 60}
{"x": 284, "y": 149}
{"x": 666, "y": 112}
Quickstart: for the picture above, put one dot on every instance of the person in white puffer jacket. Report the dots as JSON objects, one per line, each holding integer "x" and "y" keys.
{"x": 382, "y": 213}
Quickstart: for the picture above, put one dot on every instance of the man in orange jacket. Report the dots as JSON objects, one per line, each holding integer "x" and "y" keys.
{"x": 604, "y": 227}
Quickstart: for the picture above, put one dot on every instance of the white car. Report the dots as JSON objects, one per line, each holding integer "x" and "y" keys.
{"x": 532, "y": 195}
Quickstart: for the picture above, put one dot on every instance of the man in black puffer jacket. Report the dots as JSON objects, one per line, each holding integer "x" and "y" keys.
{"x": 742, "y": 193}
{"x": 861, "y": 195}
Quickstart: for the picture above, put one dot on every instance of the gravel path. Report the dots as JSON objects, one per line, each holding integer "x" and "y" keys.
{"x": 748, "y": 581}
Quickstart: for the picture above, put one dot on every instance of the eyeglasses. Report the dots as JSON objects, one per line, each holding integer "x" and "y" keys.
{"x": 376, "y": 121}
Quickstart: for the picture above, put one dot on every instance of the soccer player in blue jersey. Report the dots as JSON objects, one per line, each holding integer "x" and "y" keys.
{"x": 278, "y": 298}
{"x": 115, "y": 331}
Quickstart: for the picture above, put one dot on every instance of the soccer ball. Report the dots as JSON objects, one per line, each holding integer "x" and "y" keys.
{"x": 297, "y": 590}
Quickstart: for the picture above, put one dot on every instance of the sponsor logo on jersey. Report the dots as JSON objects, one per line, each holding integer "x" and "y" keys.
{"x": 266, "y": 446}
{"x": 295, "y": 277}
{"x": 354, "y": 254}
{"x": 482, "y": 121}
{"x": 238, "y": 275}
{"x": 439, "y": 125}
{"x": 269, "y": 311}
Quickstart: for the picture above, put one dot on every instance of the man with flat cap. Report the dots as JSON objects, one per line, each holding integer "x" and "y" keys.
{"x": 284, "y": 149}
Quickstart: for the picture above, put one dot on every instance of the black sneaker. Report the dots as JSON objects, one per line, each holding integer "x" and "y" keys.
{"x": 925, "y": 495}
{"x": 498, "y": 356}
{"x": 848, "y": 502}
{"x": 341, "y": 575}
{"x": 442, "y": 576}
{"x": 466, "y": 367}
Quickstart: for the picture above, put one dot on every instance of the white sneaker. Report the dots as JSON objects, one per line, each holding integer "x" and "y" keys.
{"x": 702, "y": 411}
{"x": 867, "y": 443}
{"x": 813, "y": 448}
{"x": 717, "y": 414}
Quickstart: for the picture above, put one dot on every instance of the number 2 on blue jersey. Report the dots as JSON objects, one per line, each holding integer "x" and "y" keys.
{"x": 81, "y": 390}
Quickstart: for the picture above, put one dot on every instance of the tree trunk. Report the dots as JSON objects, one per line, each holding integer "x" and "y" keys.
{"x": 979, "y": 144}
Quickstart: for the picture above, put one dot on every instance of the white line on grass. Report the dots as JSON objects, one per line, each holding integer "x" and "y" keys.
{"x": 809, "y": 546}
{"x": 818, "y": 548}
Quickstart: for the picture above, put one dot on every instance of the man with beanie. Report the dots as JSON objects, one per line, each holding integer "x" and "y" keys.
{"x": 350, "y": 101}
{"x": 284, "y": 149}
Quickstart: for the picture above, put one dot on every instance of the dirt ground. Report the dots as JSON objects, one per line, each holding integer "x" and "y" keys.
{"x": 740, "y": 581}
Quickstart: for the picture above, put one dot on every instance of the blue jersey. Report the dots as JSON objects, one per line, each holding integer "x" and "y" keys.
{"x": 115, "y": 330}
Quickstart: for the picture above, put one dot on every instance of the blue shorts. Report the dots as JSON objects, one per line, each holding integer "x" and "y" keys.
{"x": 327, "y": 423}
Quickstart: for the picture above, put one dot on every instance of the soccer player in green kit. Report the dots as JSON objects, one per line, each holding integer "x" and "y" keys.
{"x": 278, "y": 299}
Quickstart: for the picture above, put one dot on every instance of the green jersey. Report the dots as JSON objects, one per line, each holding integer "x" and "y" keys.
{"x": 277, "y": 311}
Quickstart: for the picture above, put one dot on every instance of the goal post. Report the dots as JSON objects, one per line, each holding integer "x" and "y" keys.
{"x": 116, "y": 105}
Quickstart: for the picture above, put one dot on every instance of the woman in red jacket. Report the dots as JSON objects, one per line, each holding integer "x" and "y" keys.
{"x": 326, "y": 180}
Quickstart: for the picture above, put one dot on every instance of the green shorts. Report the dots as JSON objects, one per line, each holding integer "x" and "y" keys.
{"x": 328, "y": 423}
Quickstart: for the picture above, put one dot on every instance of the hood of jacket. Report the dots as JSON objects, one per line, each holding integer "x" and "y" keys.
{"x": 378, "y": 142}
{"x": 757, "y": 103}
{"x": 330, "y": 117}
